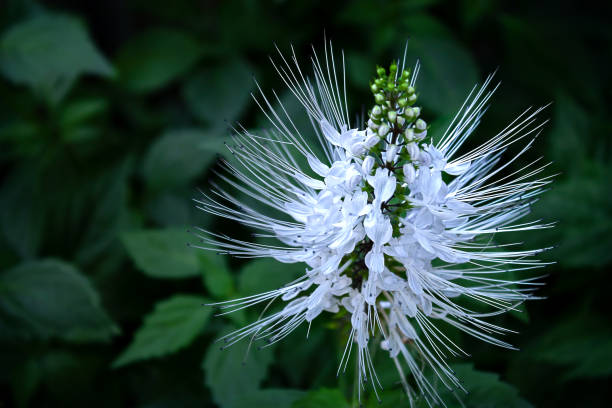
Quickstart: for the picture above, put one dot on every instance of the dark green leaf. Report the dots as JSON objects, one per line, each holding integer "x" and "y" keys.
{"x": 447, "y": 74}
{"x": 322, "y": 398}
{"x": 179, "y": 156}
{"x": 216, "y": 276}
{"x": 238, "y": 369}
{"x": 52, "y": 299}
{"x": 48, "y": 53}
{"x": 174, "y": 324}
{"x": 277, "y": 398}
{"x": 267, "y": 274}
{"x": 163, "y": 253}
{"x": 219, "y": 93}
{"x": 155, "y": 58}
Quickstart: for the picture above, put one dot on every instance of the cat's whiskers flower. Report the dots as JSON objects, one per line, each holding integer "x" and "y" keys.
{"x": 392, "y": 228}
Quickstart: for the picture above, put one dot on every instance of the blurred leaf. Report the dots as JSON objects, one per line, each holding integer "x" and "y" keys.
{"x": 567, "y": 137}
{"x": 48, "y": 53}
{"x": 263, "y": 275}
{"x": 22, "y": 213}
{"x": 233, "y": 371}
{"x": 485, "y": 390}
{"x": 155, "y": 58}
{"x": 582, "y": 206}
{"x": 25, "y": 382}
{"x": 108, "y": 213}
{"x": 75, "y": 117}
{"x": 174, "y": 324}
{"x": 447, "y": 74}
{"x": 277, "y": 398}
{"x": 322, "y": 398}
{"x": 163, "y": 253}
{"x": 221, "y": 93}
{"x": 581, "y": 345}
{"x": 179, "y": 156}
{"x": 216, "y": 276}
{"x": 51, "y": 298}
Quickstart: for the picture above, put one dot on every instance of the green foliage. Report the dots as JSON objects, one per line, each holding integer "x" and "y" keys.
{"x": 322, "y": 398}
{"x": 155, "y": 58}
{"x": 51, "y": 299}
{"x": 220, "y": 93}
{"x": 234, "y": 372}
{"x": 485, "y": 390}
{"x": 48, "y": 53}
{"x": 179, "y": 156}
{"x": 174, "y": 324}
{"x": 163, "y": 253}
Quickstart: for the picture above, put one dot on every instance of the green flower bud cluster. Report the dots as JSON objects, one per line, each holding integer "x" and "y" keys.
{"x": 394, "y": 112}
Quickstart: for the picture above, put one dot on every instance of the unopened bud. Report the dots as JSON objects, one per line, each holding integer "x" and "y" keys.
{"x": 401, "y": 120}
{"x": 420, "y": 124}
{"x": 409, "y": 173}
{"x": 383, "y": 130}
{"x": 372, "y": 125}
{"x": 367, "y": 165}
{"x": 413, "y": 150}
{"x": 372, "y": 140}
{"x": 379, "y": 98}
{"x": 412, "y": 99}
{"x": 409, "y": 113}
{"x": 391, "y": 153}
{"x": 409, "y": 135}
{"x": 392, "y": 115}
{"x": 376, "y": 110}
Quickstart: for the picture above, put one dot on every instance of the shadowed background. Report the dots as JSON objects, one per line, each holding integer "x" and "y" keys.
{"x": 112, "y": 115}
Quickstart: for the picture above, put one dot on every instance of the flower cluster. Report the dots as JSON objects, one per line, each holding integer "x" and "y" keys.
{"x": 392, "y": 228}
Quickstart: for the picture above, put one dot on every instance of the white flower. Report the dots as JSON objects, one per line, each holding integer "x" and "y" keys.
{"x": 391, "y": 229}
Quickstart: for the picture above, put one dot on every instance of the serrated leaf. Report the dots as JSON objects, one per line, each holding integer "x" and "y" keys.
{"x": 156, "y": 58}
{"x": 51, "y": 299}
{"x": 485, "y": 390}
{"x": 179, "y": 156}
{"x": 322, "y": 398}
{"x": 173, "y": 324}
{"x": 447, "y": 73}
{"x": 163, "y": 253}
{"x": 219, "y": 93}
{"x": 48, "y": 53}
{"x": 235, "y": 370}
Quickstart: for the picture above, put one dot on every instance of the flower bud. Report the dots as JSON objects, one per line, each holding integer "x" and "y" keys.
{"x": 372, "y": 125}
{"x": 371, "y": 140}
{"x": 376, "y": 111}
{"x": 424, "y": 158}
{"x": 409, "y": 113}
{"x": 412, "y": 99}
{"x": 357, "y": 149}
{"x": 380, "y": 71}
{"x": 367, "y": 165}
{"x": 413, "y": 150}
{"x": 379, "y": 98}
{"x": 401, "y": 120}
{"x": 409, "y": 173}
{"x": 420, "y": 124}
{"x": 402, "y": 102}
{"x": 391, "y": 153}
{"x": 383, "y": 130}
{"x": 422, "y": 135}
{"x": 417, "y": 111}
{"x": 374, "y": 88}
{"x": 410, "y": 90}
{"x": 409, "y": 135}
{"x": 392, "y": 115}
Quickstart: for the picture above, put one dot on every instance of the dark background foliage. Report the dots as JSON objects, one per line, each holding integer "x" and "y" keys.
{"x": 111, "y": 116}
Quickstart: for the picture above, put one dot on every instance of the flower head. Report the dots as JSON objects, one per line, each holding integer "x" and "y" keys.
{"x": 391, "y": 227}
